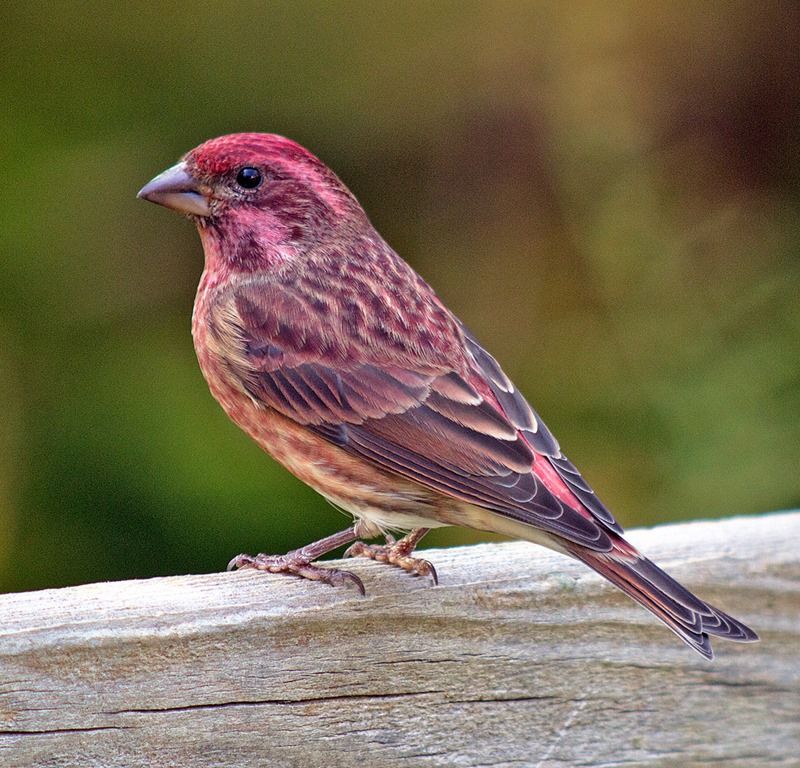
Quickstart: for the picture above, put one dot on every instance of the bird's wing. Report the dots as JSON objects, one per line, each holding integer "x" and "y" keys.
{"x": 465, "y": 433}
{"x": 535, "y": 431}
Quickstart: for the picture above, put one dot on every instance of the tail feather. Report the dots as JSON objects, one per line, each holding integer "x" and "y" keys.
{"x": 690, "y": 618}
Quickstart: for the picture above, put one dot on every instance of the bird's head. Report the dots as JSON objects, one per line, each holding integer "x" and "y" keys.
{"x": 256, "y": 197}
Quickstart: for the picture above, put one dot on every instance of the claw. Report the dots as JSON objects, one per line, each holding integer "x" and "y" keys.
{"x": 431, "y": 572}
{"x": 397, "y": 553}
{"x": 300, "y": 562}
{"x": 241, "y": 561}
{"x": 354, "y": 550}
{"x": 297, "y": 565}
{"x": 332, "y": 576}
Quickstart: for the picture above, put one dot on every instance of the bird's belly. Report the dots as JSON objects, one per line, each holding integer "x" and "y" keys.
{"x": 384, "y": 517}
{"x": 365, "y": 491}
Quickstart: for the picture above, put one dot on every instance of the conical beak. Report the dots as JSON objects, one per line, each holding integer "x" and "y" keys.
{"x": 176, "y": 188}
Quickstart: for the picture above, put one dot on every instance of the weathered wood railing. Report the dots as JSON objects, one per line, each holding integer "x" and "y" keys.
{"x": 519, "y": 658}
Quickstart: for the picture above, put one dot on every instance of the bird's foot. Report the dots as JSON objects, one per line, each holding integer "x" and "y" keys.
{"x": 397, "y": 553}
{"x": 296, "y": 564}
{"x": 300, "y": 562}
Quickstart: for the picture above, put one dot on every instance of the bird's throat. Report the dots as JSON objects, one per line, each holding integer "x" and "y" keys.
{"x": 236, "y": 248}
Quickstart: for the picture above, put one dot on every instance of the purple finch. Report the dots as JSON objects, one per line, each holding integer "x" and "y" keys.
{"x": 323, "y": 345}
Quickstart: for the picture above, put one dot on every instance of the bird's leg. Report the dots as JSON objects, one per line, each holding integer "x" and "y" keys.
{"x": 397, "y": 553}
{"x": 300, "y": 562}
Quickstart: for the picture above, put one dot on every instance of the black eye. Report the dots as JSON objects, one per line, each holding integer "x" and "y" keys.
{"x": 248, "y": 178}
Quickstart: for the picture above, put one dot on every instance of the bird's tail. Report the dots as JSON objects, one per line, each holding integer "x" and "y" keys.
{"x": 689, "y": 617}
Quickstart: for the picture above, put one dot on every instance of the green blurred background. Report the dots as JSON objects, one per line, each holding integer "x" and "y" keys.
{"x": 606, "y": 193}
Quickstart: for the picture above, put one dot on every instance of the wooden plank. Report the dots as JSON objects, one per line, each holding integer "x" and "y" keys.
{"x": 519, "y": 658}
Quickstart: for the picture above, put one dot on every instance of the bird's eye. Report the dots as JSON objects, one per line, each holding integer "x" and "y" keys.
{"x": 248, "y": 178}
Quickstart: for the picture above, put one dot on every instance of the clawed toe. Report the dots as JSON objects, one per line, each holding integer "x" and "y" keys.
{"x": 301, "y": 562}
{"x": 241, "y": 561}
{"x": 394, "y": 554}
{"x": 333, "y": 576}
{"x": 297, "y": 565}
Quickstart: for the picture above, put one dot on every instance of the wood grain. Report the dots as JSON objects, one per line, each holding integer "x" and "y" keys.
{"x": 519, "y": 658}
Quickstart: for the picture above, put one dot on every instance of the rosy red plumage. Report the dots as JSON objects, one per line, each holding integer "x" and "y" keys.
{"x": 323, "y": 345}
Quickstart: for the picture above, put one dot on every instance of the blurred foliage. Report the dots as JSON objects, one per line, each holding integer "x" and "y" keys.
{"x": 606, "y": 193}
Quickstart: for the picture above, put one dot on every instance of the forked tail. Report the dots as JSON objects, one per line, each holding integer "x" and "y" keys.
{"x": 685, "y": 614}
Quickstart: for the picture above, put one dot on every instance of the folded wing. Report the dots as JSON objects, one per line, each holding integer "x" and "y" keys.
{"x": 458, "y": 427}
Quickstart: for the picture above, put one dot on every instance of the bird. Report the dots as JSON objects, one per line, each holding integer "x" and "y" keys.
{"x": 342, "y": 363}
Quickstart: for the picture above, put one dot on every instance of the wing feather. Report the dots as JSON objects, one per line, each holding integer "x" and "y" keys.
{"x": 524, "y": 418}
{"x": 420, "y": 418}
